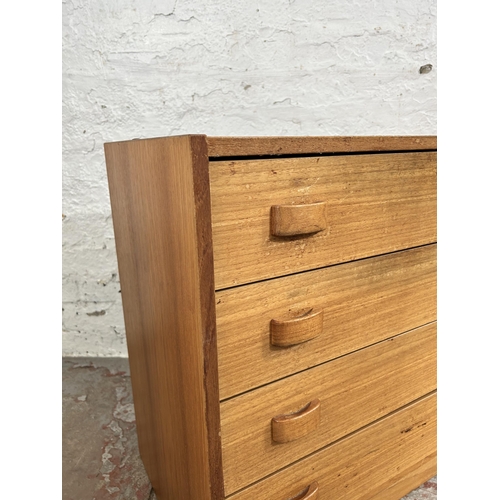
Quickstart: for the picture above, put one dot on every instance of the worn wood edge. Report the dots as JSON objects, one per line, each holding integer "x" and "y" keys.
{"x": 152, "y": 451}
{"x": 108, "y": 145}
{"x": 276, "y": 145}
{"x": 262, "y": 146}
{"x": 201, "y": 185}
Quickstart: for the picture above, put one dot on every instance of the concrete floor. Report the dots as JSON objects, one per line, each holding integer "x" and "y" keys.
{"x": 100, "y": 455}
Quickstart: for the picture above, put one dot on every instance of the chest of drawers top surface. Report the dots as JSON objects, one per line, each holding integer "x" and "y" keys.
{"x": 248, "y": 267}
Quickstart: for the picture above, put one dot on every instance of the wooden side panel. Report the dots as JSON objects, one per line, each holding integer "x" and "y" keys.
{"x": 353, "y": 390}
{"x": 257, "y": 146}
{"x": 161, "y": 212}
{"x": 383, "y": 461}
{"x": 375, "y": 204}
{"x": 363, "y": 302}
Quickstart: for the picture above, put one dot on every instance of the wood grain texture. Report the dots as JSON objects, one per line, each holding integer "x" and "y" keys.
{"x": 289, "y": 332}
{"x": 363, "y": 302}
{"x": 376, "y": 204}
{"x": 257, "y": 146}
{"x": 292, "y": 220}
{"x": 286, "y": 428}
{"x": 408, "y": 479}
{"x": 383, "y": 461}
{"x": 161, "y": 212}
{"x": 354, "y": 390}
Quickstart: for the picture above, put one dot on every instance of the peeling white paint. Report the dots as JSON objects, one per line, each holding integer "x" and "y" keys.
{"x": 148, "y": 68}
{"x": 125, "y": 412}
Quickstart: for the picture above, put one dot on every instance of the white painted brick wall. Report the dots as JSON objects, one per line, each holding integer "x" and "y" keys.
{"x": 149, "y": 68}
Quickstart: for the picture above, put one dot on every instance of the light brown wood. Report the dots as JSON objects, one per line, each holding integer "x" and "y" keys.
{"x": 376, "y": 204}
{"x": 293, "y": 426}
{"x": 256, "y": 146}
{"x": 173, "y": 255}
{"x": 311, "y": 493}
{"x": 160, "y": 199}
{"x": 363, "y": 302}
{"x": 406, "y": 480}
{"x": 400, "y": 449}
{"x": 288, "y": 332}
{"x": 294, "y": 220}
{"x": 354, "y": 390}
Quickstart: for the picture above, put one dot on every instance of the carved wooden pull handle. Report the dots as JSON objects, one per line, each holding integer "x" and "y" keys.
{"x": 297, "y": 330}
{"x": 310, "y": 494}
{"x": 293, "y": 220}
{"x": 290, "y": 427}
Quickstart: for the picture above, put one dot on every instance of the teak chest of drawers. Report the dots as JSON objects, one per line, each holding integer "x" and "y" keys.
{"x": 280, "y": 308}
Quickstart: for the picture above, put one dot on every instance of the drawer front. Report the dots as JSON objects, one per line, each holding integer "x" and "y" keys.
{"x": 360, "y": 303}
{"x": 384, "y": 461}
{"x": 353, "y": 391}
{"x": 351, "y": 207}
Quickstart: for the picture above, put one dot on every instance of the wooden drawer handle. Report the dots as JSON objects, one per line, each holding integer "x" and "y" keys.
{"x": 297, "y": 330}
{"x": 293, "y": 220}
{"x": 310, "y": 494}
{"x": 290, "y": 427}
